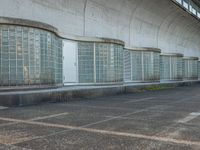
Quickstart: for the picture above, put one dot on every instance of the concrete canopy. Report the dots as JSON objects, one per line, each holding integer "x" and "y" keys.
{"x": 140, "y": 23}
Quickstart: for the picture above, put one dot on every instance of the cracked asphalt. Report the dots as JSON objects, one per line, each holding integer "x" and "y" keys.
{"x": 154, "y": 120}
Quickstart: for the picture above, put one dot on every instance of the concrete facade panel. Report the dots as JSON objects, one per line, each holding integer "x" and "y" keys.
{"x": 140, "y": 23}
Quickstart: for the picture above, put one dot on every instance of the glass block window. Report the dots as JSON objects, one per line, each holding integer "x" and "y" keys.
{"x": 190, "y": 6}
{"x": 179, "y": 1}
{"x": 190, "y": 69}
{"x": 86, "y": 62}
{"x": 165, "y": 67}
{"x": 137, "y": 67}
{"x": 198, "y": 14}
{"x": 127, "y": 66}
{"x": 29, "y": 56}
{"x": 118, "y": 62}
{"x": 179, "y": 68}
{"x": 186, "y": 4}
{"x": 100, "y": 62}
{"x": 171, "y": 68}
{"x": 156, "y": 65}
{"x": 141, "y": 66}
{"x": 193, "y": 8}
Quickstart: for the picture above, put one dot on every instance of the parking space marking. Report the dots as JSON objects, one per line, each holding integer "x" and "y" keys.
{"x": 89, "y": 125}
{"x": 49, "y": 116}
{"x": 106, "y": 132}
{"x": 2, "y": 107}
{"x": 7, "y": 124}
{"x": 140, "y": 100}
{"x": 101, "y": 107}
{"x": 190, "y": 117}
{"x": 35, "y": 119}
{"x": 114, "y": 117}
{"x": 12, "y": 147}
{"x": 121, "y": 116}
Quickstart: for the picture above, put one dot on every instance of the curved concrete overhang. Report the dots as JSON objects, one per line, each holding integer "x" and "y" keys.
{"x": 172, "y": 54}
{"x": 27, "y": 23}
{"x": 191, "y": 58}
{"x": 96, "y": 40}
{"x": 47, "y": 27}
{"x": 149, "y": 49}
{"x": 140, "y": 23}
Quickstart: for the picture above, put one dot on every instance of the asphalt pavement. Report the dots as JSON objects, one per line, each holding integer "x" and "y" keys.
{"x": 154, "y": 120}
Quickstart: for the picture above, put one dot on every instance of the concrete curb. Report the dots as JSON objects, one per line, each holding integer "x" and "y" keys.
{"x": 65, "y": 94}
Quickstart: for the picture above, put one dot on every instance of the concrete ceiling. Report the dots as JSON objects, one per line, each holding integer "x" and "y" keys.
{"x": 140, "y": 23}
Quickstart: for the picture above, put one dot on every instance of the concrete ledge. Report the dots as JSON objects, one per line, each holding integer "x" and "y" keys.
{"x": 27, "y": 88}
{"x": 190, "y": 58}
{"x": 172, "y": 54}
{"x": 148, "y": 49}
{"x": 21, "y": 98}
{"x": 27, "y": 23}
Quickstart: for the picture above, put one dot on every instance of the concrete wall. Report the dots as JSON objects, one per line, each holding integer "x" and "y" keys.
{"x": 140, "y": 23}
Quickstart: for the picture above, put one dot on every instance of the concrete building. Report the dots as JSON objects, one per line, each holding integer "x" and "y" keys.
{"x": 91, "y": 35}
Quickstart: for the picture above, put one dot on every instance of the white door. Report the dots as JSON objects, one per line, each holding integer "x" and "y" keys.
{"x": 70, "y": 62}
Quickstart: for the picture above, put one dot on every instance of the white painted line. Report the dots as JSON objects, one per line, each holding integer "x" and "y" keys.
{"x": 50, "y": 116}
{"x": 132, "y": 135}
{"x": 36, "y": 119}
{"x": 2, "y": 107}
{"x": 89, "y": 125}
{"x": 100, "y": 107}
{"x": 114, "y": 117}
{"x": 120, "y": 117}
{"x": 7, "y": 124}
{"x": 140, "y": 100}
{"x": 13, "y": 147}
{"x": 190, "y": 117}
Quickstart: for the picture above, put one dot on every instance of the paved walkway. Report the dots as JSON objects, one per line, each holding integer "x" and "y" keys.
{"x": 156, "y": 120}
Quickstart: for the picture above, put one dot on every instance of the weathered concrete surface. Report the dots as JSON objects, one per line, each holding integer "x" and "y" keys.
{"x": 21, "y": 98}
{"x": 154, "y": 120}
{"x": 29, "y": 23}
{"x": 140, "y": 23}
